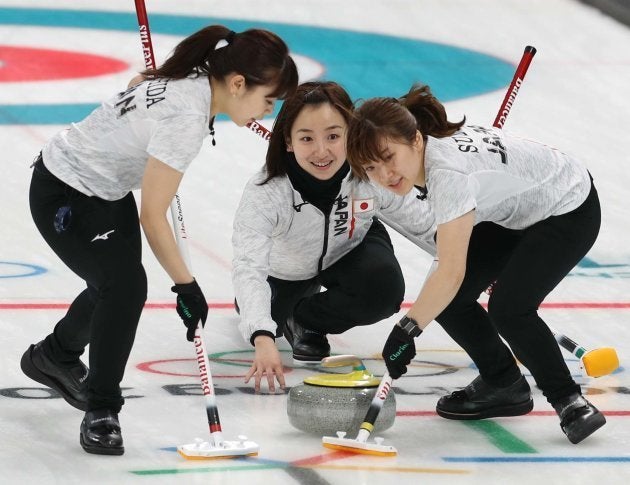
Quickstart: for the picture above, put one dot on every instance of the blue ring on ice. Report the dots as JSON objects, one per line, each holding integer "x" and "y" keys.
{"x": 365, "y": 64}
{"x": 31, "y": 270}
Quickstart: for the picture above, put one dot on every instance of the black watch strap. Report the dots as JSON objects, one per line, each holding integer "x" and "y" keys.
{"x": 410, "y": 326}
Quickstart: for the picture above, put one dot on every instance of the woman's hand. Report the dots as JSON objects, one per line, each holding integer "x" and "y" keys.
{"x": 266, "y": 362}
{"x": 398, "y": 352}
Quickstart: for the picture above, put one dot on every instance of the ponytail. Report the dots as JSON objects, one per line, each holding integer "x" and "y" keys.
{"x": 399, "y": 119}
{"x": 260, "y": 56}
{"x": 429, "y": 113}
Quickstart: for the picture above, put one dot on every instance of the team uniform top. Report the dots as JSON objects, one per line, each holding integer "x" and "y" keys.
{"x": 507, "y": 180}
{"x": 105, "y": 154}
{"x": 277, "y": 233}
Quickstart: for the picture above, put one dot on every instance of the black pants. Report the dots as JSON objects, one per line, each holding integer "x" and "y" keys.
{"x": 363, "y": 287}
{"x": 526, "y": 266}
{"x": 101, "y": 244}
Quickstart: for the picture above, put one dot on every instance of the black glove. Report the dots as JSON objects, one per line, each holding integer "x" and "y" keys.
{"x": 191, "y": 306}
{"x": 398, "y": 351}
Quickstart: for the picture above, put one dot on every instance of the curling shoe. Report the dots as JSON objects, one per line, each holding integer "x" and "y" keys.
{"x": 479, "y": 400}
{"x": 578, "y": 417}
{"x": 308, "y": 347}
{"x": 100, "y": 433}
{"x": 69, "y": 380}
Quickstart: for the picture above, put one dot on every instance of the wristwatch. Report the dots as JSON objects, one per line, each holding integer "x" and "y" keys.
{"x": 410, "y": 326}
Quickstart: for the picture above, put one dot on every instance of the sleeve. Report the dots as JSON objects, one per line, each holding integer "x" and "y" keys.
{"x": 254, "y": 223}
{"x": 409, "y": 216}
{"x": 176, "y": 140}
{"x": 450, "y": 195}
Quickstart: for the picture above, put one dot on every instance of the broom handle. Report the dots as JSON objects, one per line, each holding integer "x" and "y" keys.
{"x": 177, "y": 217}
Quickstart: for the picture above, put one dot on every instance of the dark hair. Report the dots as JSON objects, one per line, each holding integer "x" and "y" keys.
{"x": 379, "y": 119}
{"x": 260, "y": 56}
{"x": 307, "y": 94}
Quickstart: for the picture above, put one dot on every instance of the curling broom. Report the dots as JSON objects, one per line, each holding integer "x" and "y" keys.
{"x": 360, "y": 444}
{"x": 597, "y": 362}
{"x": 217, "y": 447}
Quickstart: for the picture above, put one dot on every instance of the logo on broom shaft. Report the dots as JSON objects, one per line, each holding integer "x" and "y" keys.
{"x": 203, "y": 372}
{"x": 384, "y": 392}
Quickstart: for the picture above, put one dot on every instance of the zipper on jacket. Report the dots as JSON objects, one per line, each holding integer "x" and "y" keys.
{"x": 325, "y": 248}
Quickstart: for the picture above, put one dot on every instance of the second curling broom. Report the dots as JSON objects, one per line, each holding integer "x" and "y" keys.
{"x": 217, "y": 447}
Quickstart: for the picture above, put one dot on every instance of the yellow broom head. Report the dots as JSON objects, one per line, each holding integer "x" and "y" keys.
{"x": 600, "y": 362}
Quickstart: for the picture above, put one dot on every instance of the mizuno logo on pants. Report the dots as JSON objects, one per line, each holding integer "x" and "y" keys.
{"x": 102, "y": 236}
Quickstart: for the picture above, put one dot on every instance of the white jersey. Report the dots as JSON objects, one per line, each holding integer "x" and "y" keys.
{"x": 277, "y": 233}
{"x": 105, "y": 154}
{"x": 507, "y": 180}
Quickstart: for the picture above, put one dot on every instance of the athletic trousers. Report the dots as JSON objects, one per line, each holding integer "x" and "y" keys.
{"x": 102, "y": 245}
{"x": 363, "y": 287}
{"x": 525, "y": 266}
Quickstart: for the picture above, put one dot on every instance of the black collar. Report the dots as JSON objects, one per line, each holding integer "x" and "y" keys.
{"x": 320, "y": 193}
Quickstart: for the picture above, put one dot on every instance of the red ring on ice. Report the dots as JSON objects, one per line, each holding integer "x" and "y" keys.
{"x": 32, "y": 64}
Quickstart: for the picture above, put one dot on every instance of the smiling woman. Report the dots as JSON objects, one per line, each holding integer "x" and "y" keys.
{"x": 304, "y": 224}
{"x": 318, "y": 140}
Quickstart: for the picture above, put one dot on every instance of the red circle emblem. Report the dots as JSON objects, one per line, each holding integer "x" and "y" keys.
{"x": 31, "y": 64}
{"x": 364, "y": 206}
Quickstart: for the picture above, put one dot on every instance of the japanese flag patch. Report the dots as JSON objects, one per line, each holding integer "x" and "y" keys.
{"x": 362, "y": 205}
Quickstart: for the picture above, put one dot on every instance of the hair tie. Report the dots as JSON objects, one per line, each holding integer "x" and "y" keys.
{"x": 229, "y": 38}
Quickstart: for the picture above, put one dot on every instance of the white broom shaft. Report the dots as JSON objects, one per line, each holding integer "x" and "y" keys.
{"x": 177, "y": 216}
{"x": 207, "y": 385}
{"x": 375, "y": 408}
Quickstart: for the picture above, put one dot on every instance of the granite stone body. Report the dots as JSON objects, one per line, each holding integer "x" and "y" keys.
{"x": 325, "y": 410}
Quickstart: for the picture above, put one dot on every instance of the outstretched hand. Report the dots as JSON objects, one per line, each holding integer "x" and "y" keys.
{"x": 398, "y": 352}
{"x": 267, "y": 362}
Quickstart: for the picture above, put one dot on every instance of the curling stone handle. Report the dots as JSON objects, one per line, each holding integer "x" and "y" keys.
{"x": 342, "y": 361}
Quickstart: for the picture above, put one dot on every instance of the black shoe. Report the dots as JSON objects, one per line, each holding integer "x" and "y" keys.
{"x": 70, "y": 381}
{"x": 100, "y": 433}
{"x": 578, "y": 417}
{"x": 308, "y": 347}
{"x": 479, "y": 400}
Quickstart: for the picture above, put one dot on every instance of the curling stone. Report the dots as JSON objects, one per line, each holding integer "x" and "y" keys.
{"x": 327, "y": 403}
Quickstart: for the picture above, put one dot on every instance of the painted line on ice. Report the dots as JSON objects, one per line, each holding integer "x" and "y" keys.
{"x": 599, "y": 305}
{"x": 500, "y": 437}
{"x": 294, "y": 467}
{"x": 21, "y": 270}
{"x": 65, "y": 306}
{"x": 536, "y": 459}
{"x": 397, "y": 469}
{"x": 429, "y": 414}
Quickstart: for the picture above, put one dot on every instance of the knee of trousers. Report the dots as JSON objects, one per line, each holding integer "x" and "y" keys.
{"x": 130, "y": 285}
{"x": 381, "y": 291}
{"x": 505, "y": 312}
